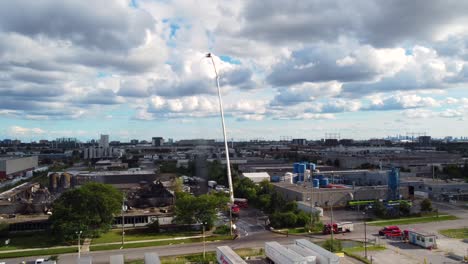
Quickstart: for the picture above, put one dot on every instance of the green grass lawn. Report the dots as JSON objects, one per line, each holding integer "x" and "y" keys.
{"x": 39, "y": 252}
{"x": 29, "y": 240}
{"x": 361, "y": 249}
{"x": 137, "y": 235}
{"x": 460, "y": 233}
{"x": 158, "y": 243}
{"x": 412, "y": 220}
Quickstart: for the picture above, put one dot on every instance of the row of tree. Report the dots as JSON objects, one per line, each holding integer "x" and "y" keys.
{"x": 89, "y": 209}
{"x": 281, "y": 213}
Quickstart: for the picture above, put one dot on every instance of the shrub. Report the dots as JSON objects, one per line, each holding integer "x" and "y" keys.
{"x": 334, "y": 246}
{"x": 222, "y": 230}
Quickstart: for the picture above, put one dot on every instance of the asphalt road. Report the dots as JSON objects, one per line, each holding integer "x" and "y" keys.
{"x": 256, "y": 241}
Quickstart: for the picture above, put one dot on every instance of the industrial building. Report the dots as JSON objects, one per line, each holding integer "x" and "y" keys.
{"x": 11, "y": 167}
{"x": 27, "y": 198}
{"x": 99, "y": 152}
{"x": 256, "y": 177}
{"x": 157, "y": 141}
{"x": 441, "y": 190}
{"x": 325, "y": 197}
{"x": 104, "y": 141}
{"x": 120, "y": 179}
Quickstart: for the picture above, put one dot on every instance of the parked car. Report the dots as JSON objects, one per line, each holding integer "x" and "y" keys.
{"x": 388, "y": 230}
{"x": 394, "y": 233}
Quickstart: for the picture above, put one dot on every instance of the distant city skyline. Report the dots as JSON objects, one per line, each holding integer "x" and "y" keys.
{"x": 136, "y": 68}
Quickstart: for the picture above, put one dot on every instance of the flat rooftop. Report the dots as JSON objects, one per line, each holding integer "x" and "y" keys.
{"x": 115, "y": 173}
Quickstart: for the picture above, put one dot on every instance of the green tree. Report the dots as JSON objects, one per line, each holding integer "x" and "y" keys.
{"x": 278, "y": 220}
{"x": 379, "y": 209}
{"x": 202, "y": 209}
{"x": 314, "y": 225}
{"x": 302, "y": 218}
{"x": 90, "y": 209}
{"x": 405, "y": 208}
{"x": 333, "y": 245}
{"x": 178, "y": 186}
{"x": 153, "y": 226}
{"x": 426, "y": 205}
{"x": 4, "y": 229}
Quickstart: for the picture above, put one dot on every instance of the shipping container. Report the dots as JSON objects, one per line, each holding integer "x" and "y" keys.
{"x": 225, "y": 255}
{"x": 279, "y": 254}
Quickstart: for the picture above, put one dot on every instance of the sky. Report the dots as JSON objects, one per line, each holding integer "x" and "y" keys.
{"x": 300, "y": 69}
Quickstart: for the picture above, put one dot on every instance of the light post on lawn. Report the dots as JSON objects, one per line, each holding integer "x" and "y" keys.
{"x": 365, "y": 235}
{"x": 228, "y": 163}
{"x": 204, "y": 245}
{"x": 123, "y": 220}
{"x": 79, "y": 244}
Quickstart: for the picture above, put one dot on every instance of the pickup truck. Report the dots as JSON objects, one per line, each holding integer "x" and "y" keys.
{"x": 388, "y": 230}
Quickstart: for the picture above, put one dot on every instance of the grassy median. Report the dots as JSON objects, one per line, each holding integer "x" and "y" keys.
{"x": 459, "y": 233}
{"x": 138, "y": 235}
{"x": 413, "y": 220}
{"x": 38, "y": 252}
{"x": 158, "y": 243}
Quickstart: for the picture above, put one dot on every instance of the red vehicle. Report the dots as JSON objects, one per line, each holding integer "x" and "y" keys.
{"x": 342, "y": 227}
{"x": 394, "y": 233}
{"x": 235, "y": 209}
{"x": 388, "y": 230}
{"x": 241, "y": 202}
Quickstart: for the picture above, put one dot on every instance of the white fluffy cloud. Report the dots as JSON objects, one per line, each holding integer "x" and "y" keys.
{"x": 20, "y": 131}
{"x": 310, "y": 60}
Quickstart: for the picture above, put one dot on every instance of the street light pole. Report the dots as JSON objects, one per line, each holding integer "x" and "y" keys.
{"x": 123, "y": 220}
{"x": 204, "y": 246}
{"x": 79, "y": 244}
{"x": 365, "y": 239}
{"x": 228, "y": 163}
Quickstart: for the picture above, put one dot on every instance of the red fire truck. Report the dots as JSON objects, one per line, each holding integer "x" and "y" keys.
{"x": 341, "y": 227}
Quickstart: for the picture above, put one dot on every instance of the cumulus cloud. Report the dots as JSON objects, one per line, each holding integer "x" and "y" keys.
{"x": 306, "y": 92}
{"x": 345, "y": 62}
{"x": 369, "y": 22}
{"x": 402, "y": 101}
{"x": 276, "y": 60}
{"x": 424, "y": 69}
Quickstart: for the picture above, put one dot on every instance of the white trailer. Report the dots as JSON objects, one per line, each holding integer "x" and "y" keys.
{"x": 116, "y": 259}
{"x": 225, "y": 255}
{"x": 278, "y": 254}
{"x": 308, "y": 254}
{"x": 323, "y": 256}
{"x": 422, "y": 239}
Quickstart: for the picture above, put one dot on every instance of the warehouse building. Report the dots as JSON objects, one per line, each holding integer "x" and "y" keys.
{"x": 11, "y": 167}
{"x": 325, "y": 197}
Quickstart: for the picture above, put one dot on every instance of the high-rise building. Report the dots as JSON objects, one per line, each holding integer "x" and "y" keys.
{"x": 157, "y": 141}
{"x": 104, "y": 141}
